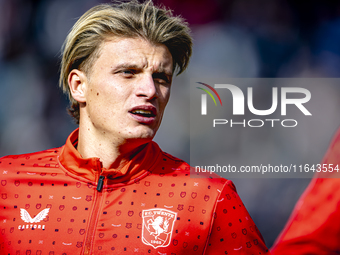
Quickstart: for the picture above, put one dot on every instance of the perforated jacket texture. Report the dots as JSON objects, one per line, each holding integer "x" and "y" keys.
{"x": 55, "y": 202}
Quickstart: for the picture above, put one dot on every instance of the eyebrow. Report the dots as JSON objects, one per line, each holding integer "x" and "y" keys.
{"x": 135, "y": 66}
{"x": 126, "y": 65}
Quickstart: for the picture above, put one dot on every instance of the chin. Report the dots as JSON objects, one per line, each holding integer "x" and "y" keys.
{"x": 142, "y": 136}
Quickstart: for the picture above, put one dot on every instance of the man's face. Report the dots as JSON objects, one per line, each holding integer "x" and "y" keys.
{"x": 128, "y": 88}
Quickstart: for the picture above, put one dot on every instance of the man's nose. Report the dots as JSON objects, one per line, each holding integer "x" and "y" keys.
{"x": 147, "y": 87}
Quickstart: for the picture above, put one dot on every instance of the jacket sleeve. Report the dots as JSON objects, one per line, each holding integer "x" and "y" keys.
{"x": 313, "y": 227}
{"x": 233, "y": 230}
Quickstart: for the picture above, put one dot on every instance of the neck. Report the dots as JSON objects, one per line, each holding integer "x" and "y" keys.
{"x": 112, "y": 152}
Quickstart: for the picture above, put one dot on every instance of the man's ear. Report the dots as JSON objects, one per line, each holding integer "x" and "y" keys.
{"x": 77, "y": 82}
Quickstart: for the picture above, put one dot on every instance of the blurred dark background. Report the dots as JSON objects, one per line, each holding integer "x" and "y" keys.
{"x": 240, "y": 38}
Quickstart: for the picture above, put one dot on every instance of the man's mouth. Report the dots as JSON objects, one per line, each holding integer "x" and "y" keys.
{"x": 143, "y": 113}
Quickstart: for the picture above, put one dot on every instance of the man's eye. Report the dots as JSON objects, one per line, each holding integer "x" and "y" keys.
{"x": 128, "y": 72}
{"x": 161, "y": 78}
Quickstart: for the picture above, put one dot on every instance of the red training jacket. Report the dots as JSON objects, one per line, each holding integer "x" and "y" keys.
{"x": 55, "y": 202}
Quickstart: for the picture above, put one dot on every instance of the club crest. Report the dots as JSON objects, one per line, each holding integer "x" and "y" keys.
{"x": 157, "y": 228}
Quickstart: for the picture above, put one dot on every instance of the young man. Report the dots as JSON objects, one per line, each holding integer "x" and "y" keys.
{"x": 110, "y": 189}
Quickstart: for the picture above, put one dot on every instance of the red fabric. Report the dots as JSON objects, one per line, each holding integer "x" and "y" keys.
{"x": 314, "y": 226}
{"x": 49, "y": 204}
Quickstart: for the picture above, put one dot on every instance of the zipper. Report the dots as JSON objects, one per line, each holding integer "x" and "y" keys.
{"x": 94, "y": 214}
{"x": 100, "y": 183}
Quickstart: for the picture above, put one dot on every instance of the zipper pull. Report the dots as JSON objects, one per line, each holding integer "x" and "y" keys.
{"x": 100, "y": 183}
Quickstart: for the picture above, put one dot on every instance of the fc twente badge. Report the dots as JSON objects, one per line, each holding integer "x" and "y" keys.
{"x": 157, "y": 228}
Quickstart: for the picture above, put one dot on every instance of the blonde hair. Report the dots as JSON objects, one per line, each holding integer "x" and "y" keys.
{"x": 125, "y": 19}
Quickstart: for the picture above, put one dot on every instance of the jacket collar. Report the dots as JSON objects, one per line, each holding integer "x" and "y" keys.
{"x": 91, "y": 168}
